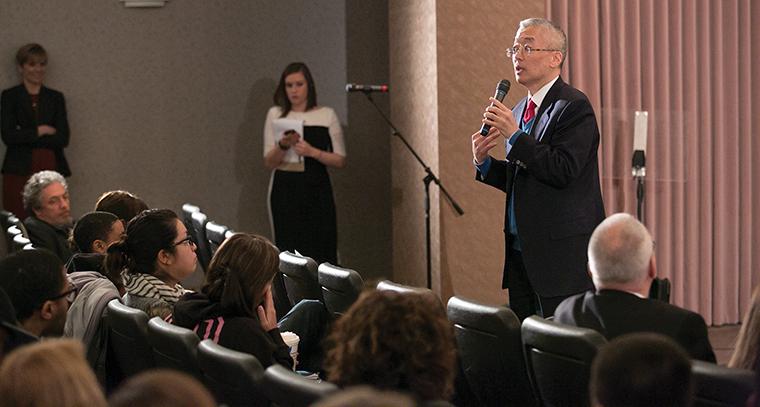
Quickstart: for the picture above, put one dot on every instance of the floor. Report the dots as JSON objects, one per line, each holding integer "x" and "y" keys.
{"x": 722, "y": 339}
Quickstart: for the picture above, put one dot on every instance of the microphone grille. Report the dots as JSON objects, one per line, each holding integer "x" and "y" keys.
{"x": 504, "y": 85}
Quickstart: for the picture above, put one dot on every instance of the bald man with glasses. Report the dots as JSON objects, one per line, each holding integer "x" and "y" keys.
{"x": 550, "y": 175}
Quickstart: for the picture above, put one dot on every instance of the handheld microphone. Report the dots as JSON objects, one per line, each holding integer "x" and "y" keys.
{"x": 502, "y": 88}
{"x": 639, "y": 144}
{"x": 352, "y": 87}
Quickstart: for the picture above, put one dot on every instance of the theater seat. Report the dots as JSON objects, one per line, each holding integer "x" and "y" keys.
{"x": 490, "y": 350}
{"x": 720, "y": 386}
{"x": 234, "y": 378}
{"x": 287, "y": 388}
{"x": 340, "y": 287}
{"x": 558, "y": 358}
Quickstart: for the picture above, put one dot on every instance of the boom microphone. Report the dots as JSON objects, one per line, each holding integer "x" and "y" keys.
{"x": 502, "y": 88}
{"x": 352, "y": 87}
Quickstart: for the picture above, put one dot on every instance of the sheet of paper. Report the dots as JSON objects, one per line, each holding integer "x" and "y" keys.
{"x": 292, "y": 161}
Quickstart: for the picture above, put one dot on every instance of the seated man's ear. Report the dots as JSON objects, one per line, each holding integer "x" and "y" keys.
{"x": 99, "y": 246}
{"x": 48, "y": 310}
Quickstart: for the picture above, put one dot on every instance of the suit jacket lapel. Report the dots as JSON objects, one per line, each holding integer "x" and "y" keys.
{"x": 544, "y": 112}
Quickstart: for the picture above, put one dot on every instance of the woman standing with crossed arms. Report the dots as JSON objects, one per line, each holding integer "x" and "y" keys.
{"x": 301, "y": 203}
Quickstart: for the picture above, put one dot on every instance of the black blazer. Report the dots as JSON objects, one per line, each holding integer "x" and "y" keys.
{"x": 558, "y": 199}
{"x": 19, "y": 129}
{"x": 614, "y": 313}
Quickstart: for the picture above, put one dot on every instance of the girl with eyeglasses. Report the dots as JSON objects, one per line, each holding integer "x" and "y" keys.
{"x": 153, "y": 256}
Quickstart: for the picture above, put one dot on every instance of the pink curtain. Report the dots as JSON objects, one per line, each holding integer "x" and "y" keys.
{"x": 694, "y": 65}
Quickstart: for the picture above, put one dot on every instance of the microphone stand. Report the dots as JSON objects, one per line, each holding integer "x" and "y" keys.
{"x": 638, "y": 173}
{"x": 430, "y": 177}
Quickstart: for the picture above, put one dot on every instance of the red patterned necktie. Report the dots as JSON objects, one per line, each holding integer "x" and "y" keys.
{"x": 530, "y": 111}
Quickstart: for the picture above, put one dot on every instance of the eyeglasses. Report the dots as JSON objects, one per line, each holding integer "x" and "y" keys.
{"x": 527, "y": 48}
{"x": 188, "y": 239}
{"x": 69, "y": 294}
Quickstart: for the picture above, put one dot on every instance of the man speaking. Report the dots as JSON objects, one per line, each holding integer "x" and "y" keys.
{"x": 550, "y": 175}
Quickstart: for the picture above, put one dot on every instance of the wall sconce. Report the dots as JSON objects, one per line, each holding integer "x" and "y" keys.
{"x": 143, "y": 3}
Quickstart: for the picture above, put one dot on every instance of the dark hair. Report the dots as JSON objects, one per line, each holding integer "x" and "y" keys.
{"x": 394, "y": 341}
{"x": 31, "y": 277}
{"x": 239, "y": 272}
{"x": 642, "y": 369}
{"x": 281, "y": 95}
{"x": 90, "y": 227}
{"x": 122, "y": 204}
{"x": 147, "y": 234}
{"x": 29, "y": 53}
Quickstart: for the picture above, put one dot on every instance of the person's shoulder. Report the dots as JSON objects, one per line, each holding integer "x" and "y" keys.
{"x": 274, "y": 111}
{"x": 34, "y": 222}
{"x": 13, "y": 91}
{"x": 566, "y": 308}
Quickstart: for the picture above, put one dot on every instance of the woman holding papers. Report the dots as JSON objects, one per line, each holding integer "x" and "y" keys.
{"x": 302, "y": 139}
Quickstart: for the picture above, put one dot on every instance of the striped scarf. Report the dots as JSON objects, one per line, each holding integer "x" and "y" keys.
{"x": 146, "y": 285}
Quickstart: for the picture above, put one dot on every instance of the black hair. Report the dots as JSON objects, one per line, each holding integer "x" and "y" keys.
{"x": 90, "y": 227}
{"x": 31, "y": 277}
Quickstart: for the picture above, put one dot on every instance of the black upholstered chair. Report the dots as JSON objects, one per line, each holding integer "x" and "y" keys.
{"x": 215, "y": 234}
{"x": 20, "y": 242}
{"x": 128, "y": 335}
{"x": 174, "y": 347}
{"x": 720, "y": 386}
{"x": 234, "y": 378}
{"x": 558, "y": 358}
{"x": 10, "y": 233}
{"x": 286, "y": 388}
{"x": 203, "y": 251}
{"x": 299, "y": 274}
{"x": 390, "y": 285}
{"x": 660, "y": 289}
{"x": 280, "y": 296}
{"x": 340, "y": 287}
{"x": 228, "y": 234}
{"x": 491, "y": 354}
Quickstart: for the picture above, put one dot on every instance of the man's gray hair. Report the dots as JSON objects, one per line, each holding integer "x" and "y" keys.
{"x": 619, "y": 251}
{"x": 557, "y": 40}
{"x": 33, "y": 188}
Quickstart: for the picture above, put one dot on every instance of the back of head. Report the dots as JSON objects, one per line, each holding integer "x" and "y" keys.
{"x": 642, "y": 369}
{"x": 239, "y": 272}
{"x": 147, "y": 234}
{"x": 619, "y": 251}
{"x": 32, "y": 194}
{"x": 122, "y": 204}
{"x": 31, "y": 277}
{"x": 394, "y": 341}
{"x": 367, "y": 396}
{"x": 90, "y": 227}
{"x": 747, "y": 351}
{"x": 51, "y": 373}
{"x": 161, "y": 388}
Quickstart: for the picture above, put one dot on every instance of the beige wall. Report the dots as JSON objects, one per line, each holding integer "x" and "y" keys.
{"x": 169, "y": 103}
{"x": 456, "y": 55}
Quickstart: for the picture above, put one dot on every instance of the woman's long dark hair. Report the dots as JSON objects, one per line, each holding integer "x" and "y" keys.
{"x": 281, "y": 95}
{"x": 240, "y": 271}
{"x": 147, "y": 234}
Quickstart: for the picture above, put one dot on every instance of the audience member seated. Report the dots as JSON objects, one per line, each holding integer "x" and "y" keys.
{"x": 234, "y": 306}
{"x": 49, "y": 374}
{"x": 161, "y": 388}
{"x": 152, "y": 257}
{"x": 394, "y": 341}
{"x": 11, "y": 334}
{"x": 46, "y": 199}
{"x": 622, "y": 265}
{"x": 123, "y": 204}
{"x": 367, "y": 396}
{"x": 642, "y": 370}
{"x": 36, "y": 283}
{"x": 746, "y": 353}
{"x": 89, "y": 241}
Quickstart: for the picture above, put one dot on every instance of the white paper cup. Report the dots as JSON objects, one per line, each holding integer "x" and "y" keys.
{"x": 291, "y": 339}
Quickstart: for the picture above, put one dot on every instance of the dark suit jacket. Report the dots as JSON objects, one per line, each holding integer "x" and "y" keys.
{"x": 614, "y": 313}
{"x": 554, "y": 173}
{"x": 47, "y": 236}
{"x": 19, "y": 129}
